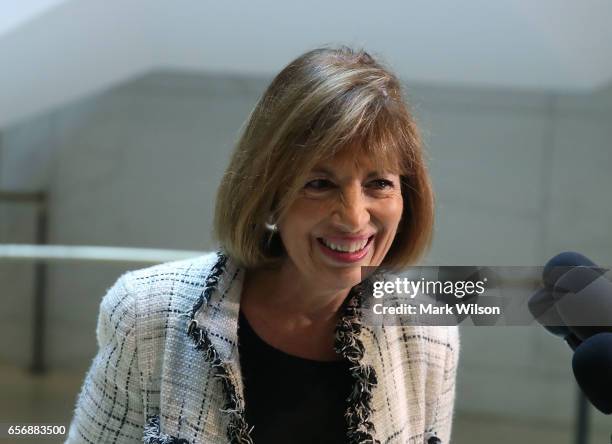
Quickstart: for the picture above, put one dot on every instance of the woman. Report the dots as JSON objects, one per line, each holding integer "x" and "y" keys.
{"x": 263, "y": 340}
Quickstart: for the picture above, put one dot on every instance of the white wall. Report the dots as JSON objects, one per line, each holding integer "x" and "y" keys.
{"x": 519, "y": 177}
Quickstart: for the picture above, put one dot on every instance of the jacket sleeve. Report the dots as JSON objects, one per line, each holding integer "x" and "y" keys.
{"x": 109, "y": 408}
{"x": 439, "y": 431}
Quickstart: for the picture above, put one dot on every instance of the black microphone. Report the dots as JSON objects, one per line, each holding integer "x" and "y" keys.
{"x": 544, "y": 304}
{"x": 592, "y": 365}
{"x": 576, "y": 296}
{"x": 561, "y": 264}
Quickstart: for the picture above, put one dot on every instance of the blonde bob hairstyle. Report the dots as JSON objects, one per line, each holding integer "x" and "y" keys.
{"x": 325, "y": 101}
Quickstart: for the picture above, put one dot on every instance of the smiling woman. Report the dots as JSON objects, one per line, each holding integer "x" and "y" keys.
{"x": 262, "y": 340}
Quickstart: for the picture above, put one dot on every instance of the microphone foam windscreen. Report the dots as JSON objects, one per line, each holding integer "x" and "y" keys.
{"x": 592, "y": 365}
{"x": 560, "y": 264}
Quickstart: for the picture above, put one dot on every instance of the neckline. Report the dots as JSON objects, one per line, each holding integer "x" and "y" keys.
{"x": 349, "y": 344}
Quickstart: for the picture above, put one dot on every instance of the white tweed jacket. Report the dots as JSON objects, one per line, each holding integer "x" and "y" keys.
{"x": 167, "y": 369}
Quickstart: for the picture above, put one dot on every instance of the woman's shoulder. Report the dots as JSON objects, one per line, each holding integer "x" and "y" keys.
{"x": 167, "y": 290}
{"x": 189, "y": 272}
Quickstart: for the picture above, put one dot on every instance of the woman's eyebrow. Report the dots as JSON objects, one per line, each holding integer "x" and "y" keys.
{"x": 323, "y": 170}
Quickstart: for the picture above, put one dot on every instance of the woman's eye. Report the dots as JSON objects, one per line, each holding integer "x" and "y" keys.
{"x": 324, "y": 185}
{"x": 382, "y": 184}
{"x": 318, "y": 184}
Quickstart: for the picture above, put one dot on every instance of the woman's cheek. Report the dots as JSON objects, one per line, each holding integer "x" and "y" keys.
{"x": 391, "y": 209}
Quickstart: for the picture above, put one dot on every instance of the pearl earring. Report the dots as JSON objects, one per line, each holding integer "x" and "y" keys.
{"x": 270, "y": 225}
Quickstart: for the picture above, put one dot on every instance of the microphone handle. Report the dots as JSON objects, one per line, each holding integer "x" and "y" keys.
{"x": 573, "y": 341}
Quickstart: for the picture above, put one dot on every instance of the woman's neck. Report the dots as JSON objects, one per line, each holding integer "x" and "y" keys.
{"x": 290, "y": 314}
{"x": 285, "y": 292}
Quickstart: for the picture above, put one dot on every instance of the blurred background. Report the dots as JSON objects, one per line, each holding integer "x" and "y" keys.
{"x": 117, "y": 120}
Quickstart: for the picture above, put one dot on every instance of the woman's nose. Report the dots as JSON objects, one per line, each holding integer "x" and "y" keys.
{"x": 351, "y": 213}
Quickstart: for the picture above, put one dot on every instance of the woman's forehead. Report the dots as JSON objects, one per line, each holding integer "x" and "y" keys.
{"x": 357, "y": 160}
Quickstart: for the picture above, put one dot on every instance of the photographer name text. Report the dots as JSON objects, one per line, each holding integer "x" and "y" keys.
{"x": 432, "y": 309}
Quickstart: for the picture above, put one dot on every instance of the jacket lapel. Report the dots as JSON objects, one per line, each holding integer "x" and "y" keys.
{"x": 214, "y": 329}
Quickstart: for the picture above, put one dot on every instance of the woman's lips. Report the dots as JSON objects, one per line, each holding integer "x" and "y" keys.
{"x": 345, "y": 239}
{"x": 345, "y": 257}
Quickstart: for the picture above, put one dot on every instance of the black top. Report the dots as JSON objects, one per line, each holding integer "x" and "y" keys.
{"x": 289, "y": 399}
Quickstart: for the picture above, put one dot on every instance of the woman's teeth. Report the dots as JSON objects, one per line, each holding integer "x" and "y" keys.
{"x": 346, "y": 248}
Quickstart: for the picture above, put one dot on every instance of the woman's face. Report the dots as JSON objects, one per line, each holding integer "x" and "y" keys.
{"x": 344, "y": 218}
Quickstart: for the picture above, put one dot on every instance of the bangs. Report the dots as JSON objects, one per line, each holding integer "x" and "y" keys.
{"x": 381, "y": 140}
{"x": 369, "y": 123}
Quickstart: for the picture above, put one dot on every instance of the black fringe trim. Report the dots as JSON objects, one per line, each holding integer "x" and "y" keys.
{"x": 211, "y": 283}
{"x": 360, "y": 428}
{"x": 431, "y": 437}
{"x": 152, "y": 433}
{"x": 237, "y": 431}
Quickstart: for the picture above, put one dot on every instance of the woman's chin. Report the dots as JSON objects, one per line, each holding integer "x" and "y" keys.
{"x": 342, "y": 277}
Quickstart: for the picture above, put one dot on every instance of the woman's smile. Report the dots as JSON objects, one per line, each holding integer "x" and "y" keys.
{"x": 346, "y": 250}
